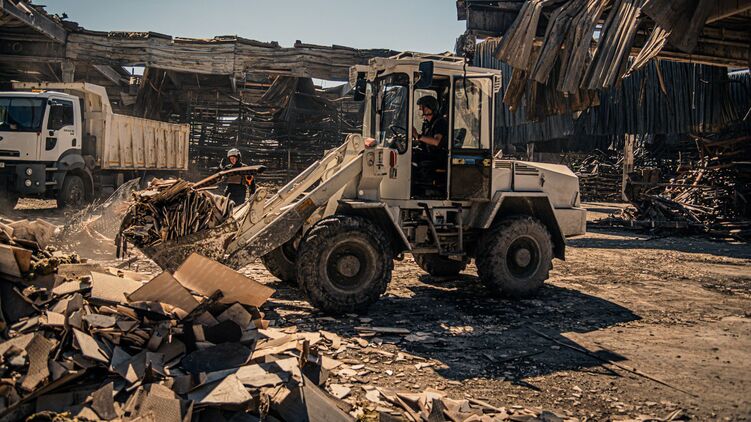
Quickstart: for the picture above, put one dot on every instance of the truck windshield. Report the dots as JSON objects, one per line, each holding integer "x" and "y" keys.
{"x": 21, "y": 114}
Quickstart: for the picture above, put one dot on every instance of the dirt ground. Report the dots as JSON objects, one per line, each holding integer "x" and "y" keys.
{"x": 677, "y": 311}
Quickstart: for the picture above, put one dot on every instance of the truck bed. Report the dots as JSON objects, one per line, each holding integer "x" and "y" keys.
{"x": 133, "y": 143}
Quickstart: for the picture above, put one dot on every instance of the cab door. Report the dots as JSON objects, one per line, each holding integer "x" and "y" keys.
{"x": 471, "y": 155}
{"x": 61, "y": 132}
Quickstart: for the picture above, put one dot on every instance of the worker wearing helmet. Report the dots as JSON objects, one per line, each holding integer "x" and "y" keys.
{"x": 435, "y": 127}
{"x": 237, "y": 185}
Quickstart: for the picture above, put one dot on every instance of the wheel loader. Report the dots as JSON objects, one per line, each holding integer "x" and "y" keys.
{"x": 337, "y": 228}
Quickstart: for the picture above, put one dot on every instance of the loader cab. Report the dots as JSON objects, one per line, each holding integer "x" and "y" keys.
{"x": 465, "y": 100}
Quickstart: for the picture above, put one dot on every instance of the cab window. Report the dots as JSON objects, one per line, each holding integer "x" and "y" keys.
{"x": 61, "y": 114}
{"x": 471, "y": 113}
{"x": 392, "y": 110}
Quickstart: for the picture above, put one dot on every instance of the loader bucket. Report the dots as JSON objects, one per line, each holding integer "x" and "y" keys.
{"x": 209, "y": 243}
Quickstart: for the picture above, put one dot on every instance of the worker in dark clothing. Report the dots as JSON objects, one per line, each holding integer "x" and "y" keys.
{"x": 435, "y": 129}
{"x": 431, "y": 154}
{"x": 237, "y": 185}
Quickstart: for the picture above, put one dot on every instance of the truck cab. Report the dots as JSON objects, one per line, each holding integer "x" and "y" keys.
{"x": 40, "y": 139}
{"x": 62, "y": 140}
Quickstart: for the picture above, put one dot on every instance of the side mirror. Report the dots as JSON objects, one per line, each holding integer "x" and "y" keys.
{"x": 426, "y": 75}
{"x": 360, "y": 86}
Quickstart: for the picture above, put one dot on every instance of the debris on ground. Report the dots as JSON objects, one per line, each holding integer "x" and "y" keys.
{"x": 600, "y": 176}
{"x": 25, "y": 250}
{"x": 98, "y": 343}
{"x": 711, "y": 198}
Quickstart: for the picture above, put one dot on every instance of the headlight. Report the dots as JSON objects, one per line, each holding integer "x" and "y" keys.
{"x": 29, "y": 171}
{"x": 27, "y": 182}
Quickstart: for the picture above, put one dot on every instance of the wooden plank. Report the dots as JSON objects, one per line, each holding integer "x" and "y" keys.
{"x": 111, "y": 288}
{"x": 109, "y": 73}
{"x": 722, "y": 9}
{"x": 8, "y": 262}
{"x": 34, "y": 19}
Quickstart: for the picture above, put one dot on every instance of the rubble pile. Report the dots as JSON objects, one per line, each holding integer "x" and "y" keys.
{"x": 600, "y": 177}
{"x": 97, "y": 346}
{"x": 89, "y": 342}
{"x": 711, "y": 198}
{"x": 171, "y": 209}
{"x": 25, "y": 250}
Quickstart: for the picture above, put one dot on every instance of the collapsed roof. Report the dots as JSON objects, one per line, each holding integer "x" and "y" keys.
{"x": 576, "y": 46}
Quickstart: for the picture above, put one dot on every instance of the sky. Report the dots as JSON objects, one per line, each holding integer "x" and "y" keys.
{"x": 404, "y": 25}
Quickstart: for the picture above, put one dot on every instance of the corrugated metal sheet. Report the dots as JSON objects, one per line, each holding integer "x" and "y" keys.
{"x": 512, "y": 127}
{"x": 696, "y": 98}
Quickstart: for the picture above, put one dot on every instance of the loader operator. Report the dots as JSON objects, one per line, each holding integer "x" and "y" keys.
{"x": 431, "y": 154}
{"x": 237, "y": 185}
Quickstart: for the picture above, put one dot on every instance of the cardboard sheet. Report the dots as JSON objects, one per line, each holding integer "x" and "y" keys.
{"x": 165, "y": 289}
{"x": 206, "y": 276}
{"x": 109, "y": 288}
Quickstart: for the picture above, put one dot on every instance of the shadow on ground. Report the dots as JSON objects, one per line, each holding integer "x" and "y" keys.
{"x": 475, "y": 335}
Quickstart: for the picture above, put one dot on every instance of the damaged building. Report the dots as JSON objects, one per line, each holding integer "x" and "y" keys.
{"x": 234, "y": 92}
{"x": 637, "y": 96}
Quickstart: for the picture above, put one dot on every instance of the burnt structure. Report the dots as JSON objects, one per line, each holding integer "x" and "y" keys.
{"x": 234, "y": 92}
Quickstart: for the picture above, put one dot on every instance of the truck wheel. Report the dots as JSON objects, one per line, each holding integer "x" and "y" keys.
{"x": 281, "y": 263}
{"x": 440, "y": 266}
{"x": 344, "y": 264}
{"x": 73, "y": 193}
{"x": 515, "y": 257}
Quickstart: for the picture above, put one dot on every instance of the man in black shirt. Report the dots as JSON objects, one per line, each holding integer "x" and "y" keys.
{"x": 435, "y": 129}
{"x": 432, "y": 157}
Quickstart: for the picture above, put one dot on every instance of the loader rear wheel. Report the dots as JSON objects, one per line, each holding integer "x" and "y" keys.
{"x": 440, "y": 266}
{"x": 281, "y": 263}
{"x": 344, "y": 264}
{"x": 515, "y": 257}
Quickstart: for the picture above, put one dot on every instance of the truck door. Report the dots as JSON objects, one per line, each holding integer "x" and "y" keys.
{"x": 471, "y": 139}
{"x": 60, "y": 134}
{"x": 21, "y": 120}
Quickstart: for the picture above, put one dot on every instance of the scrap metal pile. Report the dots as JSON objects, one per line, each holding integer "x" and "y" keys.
{"x": 171, "y": 209}
{"x": 711, "y": 198}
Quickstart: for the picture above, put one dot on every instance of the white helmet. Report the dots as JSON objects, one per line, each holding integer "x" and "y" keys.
{"x": 234, "y": 151}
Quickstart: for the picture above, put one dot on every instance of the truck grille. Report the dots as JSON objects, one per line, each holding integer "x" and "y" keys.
{"x": 502, "y": 164}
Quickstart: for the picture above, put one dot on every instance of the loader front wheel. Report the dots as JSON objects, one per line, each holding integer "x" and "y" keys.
{"x": 515, "y": 257}
{"x": 282, "y": 263}
{"x": 344, "y": 264}
{"x": 440, "y": 266}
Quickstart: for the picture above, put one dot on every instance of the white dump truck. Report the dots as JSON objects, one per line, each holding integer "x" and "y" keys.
{"x": 62, "y": 141}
